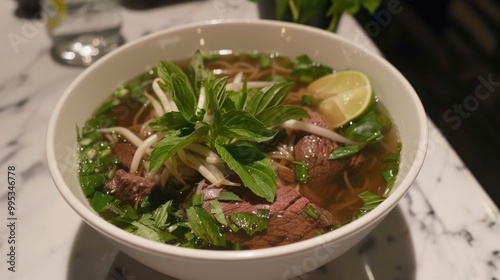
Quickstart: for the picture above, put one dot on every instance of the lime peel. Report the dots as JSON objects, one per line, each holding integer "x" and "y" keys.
{"x": 342, "y": 96}
{"x": 58, "y": 18}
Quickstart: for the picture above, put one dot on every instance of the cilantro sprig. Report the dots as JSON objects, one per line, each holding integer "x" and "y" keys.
{"x": 237, "y": 122}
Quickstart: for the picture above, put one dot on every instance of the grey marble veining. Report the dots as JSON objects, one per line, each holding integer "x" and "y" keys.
{"x": 445, "y": 228}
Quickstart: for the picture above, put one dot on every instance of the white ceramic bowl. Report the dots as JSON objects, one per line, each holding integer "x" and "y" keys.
{"x": 98, "y": 81}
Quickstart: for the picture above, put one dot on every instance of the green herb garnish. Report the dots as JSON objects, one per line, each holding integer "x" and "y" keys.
{"x": 308, "y": 70}
{"x": 216, "y": 210}
{"x": 251, "y": 223}
{"x": 309, "y": 210}
{"x": 229, "y": 196}
{"x": 370, "y": 201}
{"x": 307, "y": 100}
{"x": 301, "y": 173}
{"x": 345, "y": 151}
{"x": 237, "y": 123}
{"x": 205, "y": 227}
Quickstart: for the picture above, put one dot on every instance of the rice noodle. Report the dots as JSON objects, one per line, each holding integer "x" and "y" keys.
{"x": 320, "y": 131}
{"x": 347, "y": 182}
{"x": 278, "y": 69}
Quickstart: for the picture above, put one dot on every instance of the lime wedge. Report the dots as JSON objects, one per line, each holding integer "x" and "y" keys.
{"x": 342, "y": 96}
{"x": 56, "y": 19}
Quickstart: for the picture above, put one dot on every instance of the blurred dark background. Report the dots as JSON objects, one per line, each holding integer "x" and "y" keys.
{"x": 450, "y": 53}
{"x": 449, "y": 50}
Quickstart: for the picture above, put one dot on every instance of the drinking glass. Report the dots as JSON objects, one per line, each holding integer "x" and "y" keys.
{"x": 82, "y": 31}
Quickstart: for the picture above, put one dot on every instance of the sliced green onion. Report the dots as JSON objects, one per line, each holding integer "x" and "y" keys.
{"x": 390, "y": 172}
{"x": 189, "y": 236}
{"x": 307, "y": 100}
{"x": 391, "y": 158}
{"x": 234, "y": 227}
{"x": 345, "y": 151}
{"x": 100, "y": 200}
{"x": 309, "y": 210}
{"x": 105, "y": 153}
{"x": 264, "y": 61}
{"x": 85, "y": 142}
{"x": 197, "y": 199}
{"x": 301, "y": 173}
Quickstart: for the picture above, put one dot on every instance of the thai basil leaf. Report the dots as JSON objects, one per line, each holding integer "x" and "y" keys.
{"x": 251, "y": 223}
{"x": 252, "y": 167}
{"x": 237, "y": 100}
{"x": 243, "y": 126}
{"x": 366, "y": 129}
{"x": 345, "y": 151}
{"x": 370, "y": 201}
{"x": 196, "y": 71}
{"x": 160, "y": 215}
{"x": 205, "y": 227}
{"x": 170, "y": 121}
{"x": 90, "y": 182}
{"x": 100, "y": 200}
{"x": 259, "y": 100}
{"x": 170, "y": 145}
{"x": 229, "y": 196}
{"x": 390, "y": 173}
{"x": 152, "y": 233}
{"x": 146, "y": 232}
{"x": 216, "y": 210}
{"x": 216, "y": 94}
{"x": 165, "y": 70}
{"x": 279, "y": 114}
{"x": 184, "y": 96}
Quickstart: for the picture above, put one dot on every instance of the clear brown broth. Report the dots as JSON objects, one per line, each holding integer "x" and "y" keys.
{"x": 345, "y": 203}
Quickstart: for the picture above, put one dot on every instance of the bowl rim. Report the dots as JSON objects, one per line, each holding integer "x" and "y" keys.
{"x": 117, "y": 234}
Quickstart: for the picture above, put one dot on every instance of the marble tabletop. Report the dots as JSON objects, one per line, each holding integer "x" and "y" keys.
{"x": 445, "y": 228}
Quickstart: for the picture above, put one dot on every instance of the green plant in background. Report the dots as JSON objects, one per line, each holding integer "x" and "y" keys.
{"x": 303, "y": 10}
